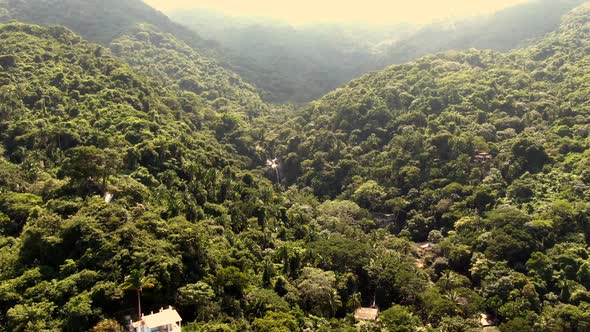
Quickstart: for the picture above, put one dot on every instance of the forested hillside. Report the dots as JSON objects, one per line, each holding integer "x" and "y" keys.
{"x": 77, "y": 125}
{"x": 485, "y": 154}
{"x": 175, "y": 64}
{"x": 439, "y": 190}
{"x": 144, "y": 38}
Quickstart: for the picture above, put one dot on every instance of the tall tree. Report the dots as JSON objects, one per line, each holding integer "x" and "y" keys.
{"x": 137, "y": 281}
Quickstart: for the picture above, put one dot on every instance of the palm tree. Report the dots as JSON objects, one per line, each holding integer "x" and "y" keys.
{"x": 334, "y": 301}
{"x": 137, "y": 281}
{"x": 447, "y": 280}
{"x": 355, "y": 301}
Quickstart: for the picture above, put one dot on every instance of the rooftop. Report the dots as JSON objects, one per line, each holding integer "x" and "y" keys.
{"x": 366, "y": 313}
{"x": 165, "y": 317}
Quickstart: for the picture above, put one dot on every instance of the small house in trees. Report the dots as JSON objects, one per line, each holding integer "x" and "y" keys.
{"x": 167, "y": 320}
{"x": 425, "y": 245}
{"x": 485, "y": 320}
{"x": 424, "y": 248}
{"x": 369, "y": 314}
{"x": 483, "y": 157}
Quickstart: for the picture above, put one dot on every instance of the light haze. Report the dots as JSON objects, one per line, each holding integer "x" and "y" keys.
{"x": 376, "y": 11}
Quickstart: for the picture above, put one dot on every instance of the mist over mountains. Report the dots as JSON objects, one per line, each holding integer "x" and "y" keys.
{"x": 299, "y": 64}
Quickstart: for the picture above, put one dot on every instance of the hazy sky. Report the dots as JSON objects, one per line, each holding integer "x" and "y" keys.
{"x": 378, "y": 11}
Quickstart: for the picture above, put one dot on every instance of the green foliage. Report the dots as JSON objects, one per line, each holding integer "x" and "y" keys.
{"x": 517, "y": 324}
{"x": 17, "y": 208}
{"x": 370, "y": 195}
{"x": 32, "y": 317}
{"x": 231, "y": 281}
{"x": 395, "y": 278}
{"x": 198, "y": 294}
{"x": 89, "y": 162}
{"x": 107, "y": 325}
{"x": 260, "y": 301}
{"x": 276, "y": 322}
{"x": 341, "y": 254}
{"x": 318, "y": 292}
{"x": 399, "y": 319}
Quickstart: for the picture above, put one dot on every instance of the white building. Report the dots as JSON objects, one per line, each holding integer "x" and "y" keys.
{"x": 167, "y": 320}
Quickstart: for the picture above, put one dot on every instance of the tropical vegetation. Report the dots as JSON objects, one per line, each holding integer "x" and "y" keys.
{"x": 133, "y": 176}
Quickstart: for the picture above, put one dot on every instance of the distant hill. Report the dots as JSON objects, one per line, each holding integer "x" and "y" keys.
{"x": 294, "y": 64}
{"x": 299, "y": 64}
{"x": 98, "y": 21}
{"x": 505, "y": 30}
